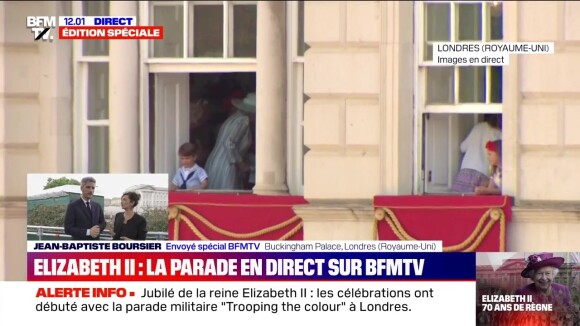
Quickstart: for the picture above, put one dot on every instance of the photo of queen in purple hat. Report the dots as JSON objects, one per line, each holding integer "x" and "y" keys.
{"x": 542, "y": 269}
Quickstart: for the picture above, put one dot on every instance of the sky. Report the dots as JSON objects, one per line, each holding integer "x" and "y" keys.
{"x": 108, "y": 185}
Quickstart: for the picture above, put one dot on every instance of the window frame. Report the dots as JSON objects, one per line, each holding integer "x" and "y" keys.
{"x": 421, "y": 108}
{"x": 187, "y": 65}
{"x": 226, "y": 63}
{"x": 295, "y": 103}
{"x": 230, "y": 26}
{"x": 188, "y": 37}
{"x": 81, "y": 123}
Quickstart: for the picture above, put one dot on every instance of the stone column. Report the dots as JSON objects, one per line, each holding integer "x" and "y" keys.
{"x": 123, "y": 97}
{"x": 35, "y": 111}
{"x": 396, "y": 97}
{"x": 271, "y": 99}
{"x": 3, "y": 154}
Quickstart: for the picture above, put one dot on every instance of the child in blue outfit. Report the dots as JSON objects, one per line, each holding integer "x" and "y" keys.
{"x": 189, "y": 176}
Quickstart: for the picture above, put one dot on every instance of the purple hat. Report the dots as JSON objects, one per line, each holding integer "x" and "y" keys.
{"x": 539, "y": 261}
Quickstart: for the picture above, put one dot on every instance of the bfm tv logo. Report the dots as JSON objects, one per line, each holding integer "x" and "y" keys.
{"x": 41, "y": 27}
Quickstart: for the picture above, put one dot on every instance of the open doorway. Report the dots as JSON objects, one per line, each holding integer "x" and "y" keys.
{"x": 191, "y": 108}
{"x": 443, "y": 135}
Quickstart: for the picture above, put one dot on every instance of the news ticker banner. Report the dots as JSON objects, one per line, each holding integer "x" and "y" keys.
{"x": 91, "y": 28}
{"x": 341, "y": 286}
{"x": 241, "y": 261}
{"x": 247, "y": 283}
{"x": 236, "y": 246}
{"x": 239, "y": 303}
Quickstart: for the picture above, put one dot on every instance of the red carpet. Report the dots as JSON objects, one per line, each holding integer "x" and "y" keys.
{"x": 233, "y": 217}
{"x": 463, "y": 223}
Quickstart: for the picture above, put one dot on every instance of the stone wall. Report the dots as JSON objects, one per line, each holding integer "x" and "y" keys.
{"x": 35, "y": 119}
{"x": 358, "y": 121}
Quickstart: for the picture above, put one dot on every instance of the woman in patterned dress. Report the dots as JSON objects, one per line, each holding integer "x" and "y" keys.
{"x": 226, "y": 165}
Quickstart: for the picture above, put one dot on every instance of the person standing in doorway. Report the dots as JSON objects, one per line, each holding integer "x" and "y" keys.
{"x": 475, "y": 165}
{"x": 228, "y": 164}
{"x": 84, "y": 218}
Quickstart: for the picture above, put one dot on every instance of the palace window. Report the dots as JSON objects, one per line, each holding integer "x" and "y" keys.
{"x": 204, "y": 29}
{"x": 202, "y": 57}
{"x": 451, "y": 100}
{"x": 212, "y": 58}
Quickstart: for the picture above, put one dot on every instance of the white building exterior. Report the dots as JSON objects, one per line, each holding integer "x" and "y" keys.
{"x": 115, "y": 202}
{"x": 151, "y": 197}
{"x": 361, "y": 112}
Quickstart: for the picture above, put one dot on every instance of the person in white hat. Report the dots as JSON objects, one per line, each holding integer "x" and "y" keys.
{"x": 227, "y": 163}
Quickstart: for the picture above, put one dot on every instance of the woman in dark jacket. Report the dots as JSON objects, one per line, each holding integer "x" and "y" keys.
{"x": 128, "y": 224}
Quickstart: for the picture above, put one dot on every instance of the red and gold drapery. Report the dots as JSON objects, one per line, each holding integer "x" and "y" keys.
{"x": 233, "y": 217}
{"x": 462, "y": 223}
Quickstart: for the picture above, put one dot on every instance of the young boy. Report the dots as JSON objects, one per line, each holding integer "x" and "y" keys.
{"x": 189, "y": 176}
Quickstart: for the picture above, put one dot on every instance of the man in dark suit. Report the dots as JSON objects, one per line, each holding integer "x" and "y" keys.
{"x": 84, "y": 218}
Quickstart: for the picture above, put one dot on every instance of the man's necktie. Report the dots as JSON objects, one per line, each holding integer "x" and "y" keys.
{"x": 89, "y": 208}
{"x": 184, "y": 184}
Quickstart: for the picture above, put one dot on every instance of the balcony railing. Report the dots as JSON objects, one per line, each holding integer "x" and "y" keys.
{"x": 217, "y": 191}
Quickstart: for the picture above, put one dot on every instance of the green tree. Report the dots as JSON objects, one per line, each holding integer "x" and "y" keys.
{"x": 156, "y": 219}
{"x": 53, "y": 183}
{"x": 47, "y": 215}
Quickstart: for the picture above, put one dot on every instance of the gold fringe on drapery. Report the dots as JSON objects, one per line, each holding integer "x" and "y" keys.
{"x": 486, "y": 223}
{"x": 181, "y": 213}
